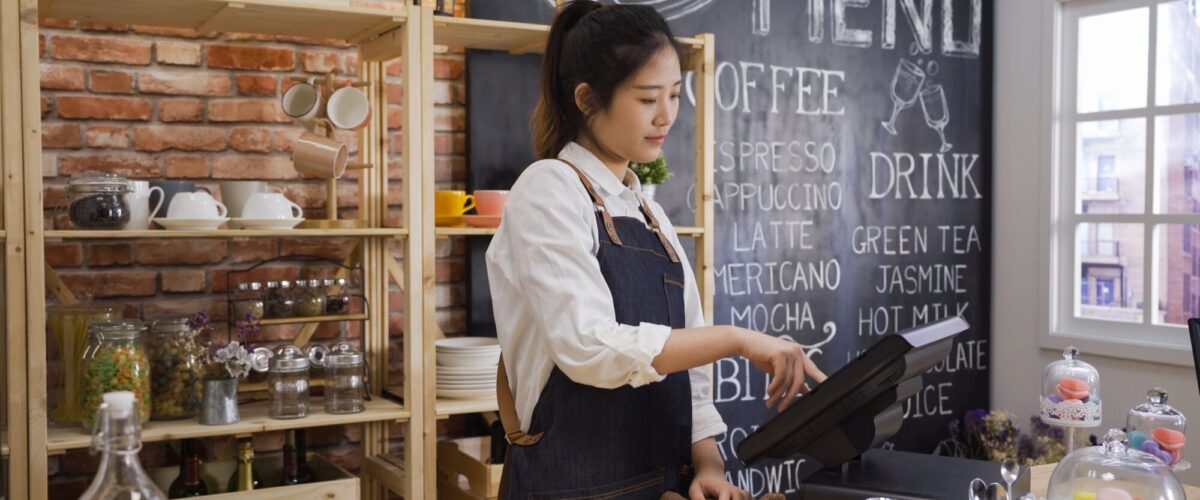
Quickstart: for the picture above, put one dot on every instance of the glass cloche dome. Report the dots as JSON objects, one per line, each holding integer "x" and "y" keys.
{"x": 1070, "y": 392}
{"x": 1113, "y": 472}
{"x": 1158, "y": 429}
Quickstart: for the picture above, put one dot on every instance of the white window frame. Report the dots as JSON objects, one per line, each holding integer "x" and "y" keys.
{"x": 1145, "y": 341}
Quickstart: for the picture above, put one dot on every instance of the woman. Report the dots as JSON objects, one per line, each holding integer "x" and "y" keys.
{"x": 605, "y": 352}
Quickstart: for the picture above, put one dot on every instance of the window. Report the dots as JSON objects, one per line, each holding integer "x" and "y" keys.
{"x": 1128, "y": 222}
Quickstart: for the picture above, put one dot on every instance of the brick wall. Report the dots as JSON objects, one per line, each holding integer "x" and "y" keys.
{"x": 158, "y": 103}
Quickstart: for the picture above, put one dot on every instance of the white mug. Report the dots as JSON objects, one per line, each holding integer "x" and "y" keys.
{"x": 349, "y": 108}
{"x": 235, "y": 193}
{"x": 138, "y": 199}
{"x": 302, "y": 101}
{"x": 198, "y": 205}
{"x": 274, "y": 206}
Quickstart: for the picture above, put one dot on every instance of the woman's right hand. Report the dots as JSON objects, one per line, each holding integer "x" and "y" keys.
{"x": 785, "y": 361}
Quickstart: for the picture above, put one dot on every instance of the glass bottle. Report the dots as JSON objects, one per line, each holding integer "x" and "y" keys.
{"x": 114, "y": 360}
{"x": 304, "y": 472}
{"x": 245, "y": 478}
{"x": 310, "y": 298}
{"x": 68, "y": 324}
{"x": 337, "y": 299}
{"x": 119, "y": 438}
{"x": 291, "y": 466}
{"x": 345, "y": 370}
{"x": 189, "y": 483}
{"x": 176, "y": 386}
{"x": 248, "y": 301}
{"x": 280, "y": 303}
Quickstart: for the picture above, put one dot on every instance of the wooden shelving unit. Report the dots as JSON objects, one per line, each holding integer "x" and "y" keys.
{"x": 409, "y": 32}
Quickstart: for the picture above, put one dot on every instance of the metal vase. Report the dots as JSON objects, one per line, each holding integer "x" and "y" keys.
{"x": 220, "y": 404}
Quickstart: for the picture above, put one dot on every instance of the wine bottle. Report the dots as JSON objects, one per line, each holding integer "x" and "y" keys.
{"x": 188, "y": 484}
{"x": 290, "y": 466}
{"x": 245, "y": 478}
{"x": 302, "y": 469}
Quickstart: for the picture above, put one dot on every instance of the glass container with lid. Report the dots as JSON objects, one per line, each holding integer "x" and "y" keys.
{"x": 288, "y": 378}
{"x": 1157, "y": 428}
{"x": 1113, "y": 471}
{"x": 310, "y": 298}
{"x": 280, "y": 303}
{"x": 1070, "y": 392}
{"x": 176, "y": 384}
{"x": 345, "y": 379}
{"x": 68, "y": 325}
{"x": 248, "y": 302}
{"x": 337, "y": 299}
{"x": 97, "y": 201}
{"x": 114, "y": 360}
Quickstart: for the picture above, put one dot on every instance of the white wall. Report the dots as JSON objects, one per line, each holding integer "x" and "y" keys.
{"x": 1022, "y": 83}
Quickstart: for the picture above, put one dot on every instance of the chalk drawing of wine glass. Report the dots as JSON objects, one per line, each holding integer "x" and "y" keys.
{"x": 906, "y": 83}
{"x": 937, "y": 115}
{"x": 670, "y": 9}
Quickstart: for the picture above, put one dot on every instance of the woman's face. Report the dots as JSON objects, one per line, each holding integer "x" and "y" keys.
{"x": 642, "y": 110}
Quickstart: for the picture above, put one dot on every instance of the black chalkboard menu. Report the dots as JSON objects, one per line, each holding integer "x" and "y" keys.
{"x": 853, "y": 185}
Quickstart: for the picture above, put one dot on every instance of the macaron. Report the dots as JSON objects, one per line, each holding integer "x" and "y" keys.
{"x": 1169, "y": 439}
{"x": 1113, "y": 494}
{"x": 1136, "y": 438}
{"x": 1073, "y": 388}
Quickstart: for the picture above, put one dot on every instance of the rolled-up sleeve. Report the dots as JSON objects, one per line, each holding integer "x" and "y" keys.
{"x": 548, "y": 237}
{"x": 706, "y": 421}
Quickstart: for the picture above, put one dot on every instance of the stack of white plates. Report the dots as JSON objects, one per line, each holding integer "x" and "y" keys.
{"x": 466, "y": 367}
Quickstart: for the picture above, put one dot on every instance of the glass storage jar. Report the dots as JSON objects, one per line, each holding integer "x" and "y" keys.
{"x": 248, "y": 302}
{"x": 68, "y": 325}
{"x": 288, "y": 378}
{"x": 345, "y": 379}
{"x": 1070, "y": 392}
{"x": 337, "y": 298}
{"x": 97, "y": 201}
{"x": 176, "y": 384}
{"x": 114, "y": 360}
{"x": 1113, "y": 471}
{"x": 310, "y": 298}
{"x": 1157, "y": 428}
{"x": 280, "y": 303}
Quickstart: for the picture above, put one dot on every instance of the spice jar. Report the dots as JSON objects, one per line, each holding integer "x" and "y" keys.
{"x": 280, "y": 303}
{"x": 337, "y": 299}
{"x": 310, "y": 298}
{"x": 176, "y": 386}
{"x": 345, "y": 372}
{"x": 115, "y": 361}
{"x": 68, "y": 324}
{"x": 97, "y": 201}
{"x": 287, "y": 378}
{"x": 248, "y": 301}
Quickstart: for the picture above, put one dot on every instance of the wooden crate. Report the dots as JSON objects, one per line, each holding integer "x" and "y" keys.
{"x": 333, "y": 482}
{"x": 468, "y": 458}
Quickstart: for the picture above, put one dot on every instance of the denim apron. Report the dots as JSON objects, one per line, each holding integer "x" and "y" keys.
{"x": 623, "y": 443}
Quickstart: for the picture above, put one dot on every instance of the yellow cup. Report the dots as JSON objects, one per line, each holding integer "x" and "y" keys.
{"x": 452, "y": 203}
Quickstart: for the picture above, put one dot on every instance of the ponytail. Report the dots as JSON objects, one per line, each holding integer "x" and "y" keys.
{"x": 595, "y": 44}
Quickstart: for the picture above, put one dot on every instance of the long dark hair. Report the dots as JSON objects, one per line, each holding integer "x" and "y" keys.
{"x": 600, "y": 45}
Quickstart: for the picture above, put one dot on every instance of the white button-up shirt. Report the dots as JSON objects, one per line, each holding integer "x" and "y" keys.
{"x": 551, "y": 303}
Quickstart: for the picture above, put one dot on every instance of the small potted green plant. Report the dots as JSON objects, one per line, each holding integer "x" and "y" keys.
{"x": 651, "y": 174}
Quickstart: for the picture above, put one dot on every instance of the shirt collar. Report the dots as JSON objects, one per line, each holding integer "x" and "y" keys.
{"x": 597, "y": 172}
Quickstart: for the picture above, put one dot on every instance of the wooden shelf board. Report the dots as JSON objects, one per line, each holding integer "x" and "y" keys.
{"x": 312, "y": 319}
{"x": 446, "y": 232}
{"x": 447, "y": 407}
{"x": 254, "y": 419}
{"x": 383, "y": 232}
{"x": 329, "y": 19}
{"x": 689, "y": 230}
{"x": 505, "y": 35}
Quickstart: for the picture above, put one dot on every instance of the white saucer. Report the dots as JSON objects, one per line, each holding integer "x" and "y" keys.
{"x": 467, "y": 344}
{"x": 190, "y": 224}
{"x": 466, "y": 394}
{"x": 265, "y": 223}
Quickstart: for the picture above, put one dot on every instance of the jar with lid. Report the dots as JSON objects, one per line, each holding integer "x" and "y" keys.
{"x": 114, "y": 360}
{"x": 97, "y": 201}
{"x": 345, "y": 377}
{"x": 1113, "y": 472}
{"x": 1157, "y": 428}
{"x": 310, "y": 298}
{"x": 337, "y": 298}
{"x": 68, "y": 325}
{"x": 280, "y": 303}
{"x": 287, "y": 378}
{"x": 176, "y": 384}
{"x": 1070, "y": 392}
{"x": 248, "y": 302}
